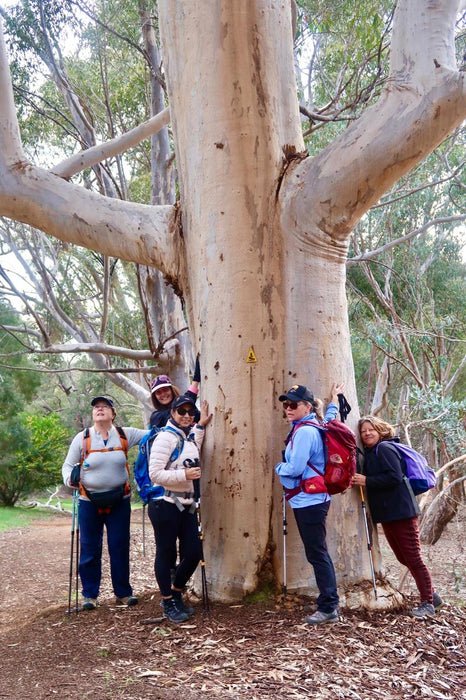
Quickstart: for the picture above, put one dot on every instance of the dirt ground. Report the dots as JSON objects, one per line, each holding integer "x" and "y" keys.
{"x": 251, "y": 651}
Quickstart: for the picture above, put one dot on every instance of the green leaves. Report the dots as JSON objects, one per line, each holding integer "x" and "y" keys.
{"x": 32, "y": 450}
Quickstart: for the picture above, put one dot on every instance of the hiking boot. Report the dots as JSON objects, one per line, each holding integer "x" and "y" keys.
{"x": 89, "y": 603}
{"x": 438, "y": 602}
{"x": 321, "y": 618}
{"x": 128, "y": 600}
{"x": 181, "y": 605}
{"x": 423, "y": 610}
{"x": 172, "y": 612}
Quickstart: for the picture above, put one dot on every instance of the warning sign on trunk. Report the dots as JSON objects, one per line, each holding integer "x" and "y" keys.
{"x": 251, "y": 355}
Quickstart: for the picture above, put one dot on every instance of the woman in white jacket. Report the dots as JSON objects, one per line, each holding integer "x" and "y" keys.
{"x": 174, "y": 464}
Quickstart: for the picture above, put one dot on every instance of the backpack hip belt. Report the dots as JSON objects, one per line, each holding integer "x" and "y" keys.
{"x": 176, "y": 495}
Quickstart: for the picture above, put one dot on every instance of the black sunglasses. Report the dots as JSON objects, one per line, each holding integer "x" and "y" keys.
{"x": 290, "y": 404}
{"x": 184, "y": 411}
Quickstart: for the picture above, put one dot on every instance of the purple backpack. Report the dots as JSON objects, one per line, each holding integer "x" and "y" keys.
{"x": 420, "y": 476}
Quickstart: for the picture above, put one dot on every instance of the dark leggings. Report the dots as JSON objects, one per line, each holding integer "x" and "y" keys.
{"x": 403, "y": 538}
{"x": 170, "y": 524}
{"x": 311, "y": 525}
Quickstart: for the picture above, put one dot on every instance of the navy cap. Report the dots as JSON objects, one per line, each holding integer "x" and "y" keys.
{"x": 182, "y": 400}
{"x": 102, "y": 398}
{"x": 298, "y": 392}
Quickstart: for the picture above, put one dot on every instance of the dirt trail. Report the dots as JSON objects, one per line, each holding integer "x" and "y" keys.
{"x": 248, "y": 651}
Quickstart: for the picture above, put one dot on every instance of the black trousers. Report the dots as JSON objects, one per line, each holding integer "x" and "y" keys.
{"x": 311, "y": 526}
{"x": 171, "y": 526}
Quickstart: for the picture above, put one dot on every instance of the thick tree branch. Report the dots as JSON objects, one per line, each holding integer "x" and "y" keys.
{"x": 425, "y": 99}
{"x": 134, "y": 232}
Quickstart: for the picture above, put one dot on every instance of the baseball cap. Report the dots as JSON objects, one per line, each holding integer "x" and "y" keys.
{"x": 298, "y": 392}
{"x": 182, "y": 400}
{"x": 101, "y": 398}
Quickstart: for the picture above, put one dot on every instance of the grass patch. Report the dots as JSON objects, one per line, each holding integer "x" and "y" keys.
{"x": 264, "y": 595}
{"x": 21, "y": 516}
{"x": 18, "y": 517}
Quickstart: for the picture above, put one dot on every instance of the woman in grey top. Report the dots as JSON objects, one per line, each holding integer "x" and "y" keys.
{"x": 104, "y": 500}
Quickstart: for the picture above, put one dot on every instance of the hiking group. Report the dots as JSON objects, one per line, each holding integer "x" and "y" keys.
{"x": 319, "y": 460}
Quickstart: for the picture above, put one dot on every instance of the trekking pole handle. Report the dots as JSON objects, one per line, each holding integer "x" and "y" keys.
{"x": 190, "y": 464}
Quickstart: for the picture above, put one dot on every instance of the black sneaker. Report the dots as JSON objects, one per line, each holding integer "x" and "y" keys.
{"x": 181, "y": 605}
{"x": 423, "y": 610}
{"x": 437, "y": 602}
{"x": 172, "y": 612}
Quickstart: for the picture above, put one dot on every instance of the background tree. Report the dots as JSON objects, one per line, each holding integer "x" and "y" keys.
{"x": 92, "y": 93}
{"x": 31, "y": 447}
{"x": 407, "y": 316}
{"x": 257, "y": 247}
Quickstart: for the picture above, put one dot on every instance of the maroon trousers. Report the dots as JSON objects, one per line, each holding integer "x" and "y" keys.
{"x": 403, "y": 538}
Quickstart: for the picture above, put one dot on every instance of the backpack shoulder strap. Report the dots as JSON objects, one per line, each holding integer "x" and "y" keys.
{"x": 86, "y": 447}
{"x": 312, "y": 423}
{"x": 124, "y": 444}
{"x": 179, "y": 445}
{"x": 392, "y": 446}
{"x": 123, "y": 439}
{"x": 169, "y": 429}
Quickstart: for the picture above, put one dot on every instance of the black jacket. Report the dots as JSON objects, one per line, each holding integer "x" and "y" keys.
{"x": 387, "y": 493}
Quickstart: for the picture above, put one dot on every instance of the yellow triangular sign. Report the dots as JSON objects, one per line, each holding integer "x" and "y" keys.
{"x": 251, "y": 355}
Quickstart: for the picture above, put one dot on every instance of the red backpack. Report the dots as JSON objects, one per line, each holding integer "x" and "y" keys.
{"x": 339, "y": 454}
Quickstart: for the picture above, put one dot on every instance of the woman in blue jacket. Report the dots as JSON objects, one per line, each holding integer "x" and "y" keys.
{"x": 393, "y": 505}
{"x": 305, "y": 447}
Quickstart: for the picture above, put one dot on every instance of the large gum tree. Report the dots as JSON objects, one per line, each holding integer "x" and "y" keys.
{"x": 257, "y": 243}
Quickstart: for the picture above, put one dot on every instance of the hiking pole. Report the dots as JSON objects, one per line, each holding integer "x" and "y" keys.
{"x": 369, "y": 542}
{"x": 197, "y": 497}
{"x": 285, "y": 532}
{"x": 73, "y": 528}
{"x": 76, "y": 604}
{"x": 205, "y": 595}
{"x": 143, "y": 529}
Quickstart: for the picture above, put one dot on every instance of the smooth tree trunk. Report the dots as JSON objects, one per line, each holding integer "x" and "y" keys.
{"x": 258, "y": 289}
{"x": 257, "y": 249}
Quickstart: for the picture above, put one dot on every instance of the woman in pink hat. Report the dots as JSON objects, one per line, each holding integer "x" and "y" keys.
{"x": 164, "y": 392}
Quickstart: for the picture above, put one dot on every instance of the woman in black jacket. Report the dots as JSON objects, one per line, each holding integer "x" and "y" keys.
{"x": 163, "y": 392}
{"x": 392, "y": 504}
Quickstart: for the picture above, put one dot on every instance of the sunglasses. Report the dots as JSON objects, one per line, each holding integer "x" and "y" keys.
{"x": 290, "y": 404}
{"x": 184, "y": 411}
